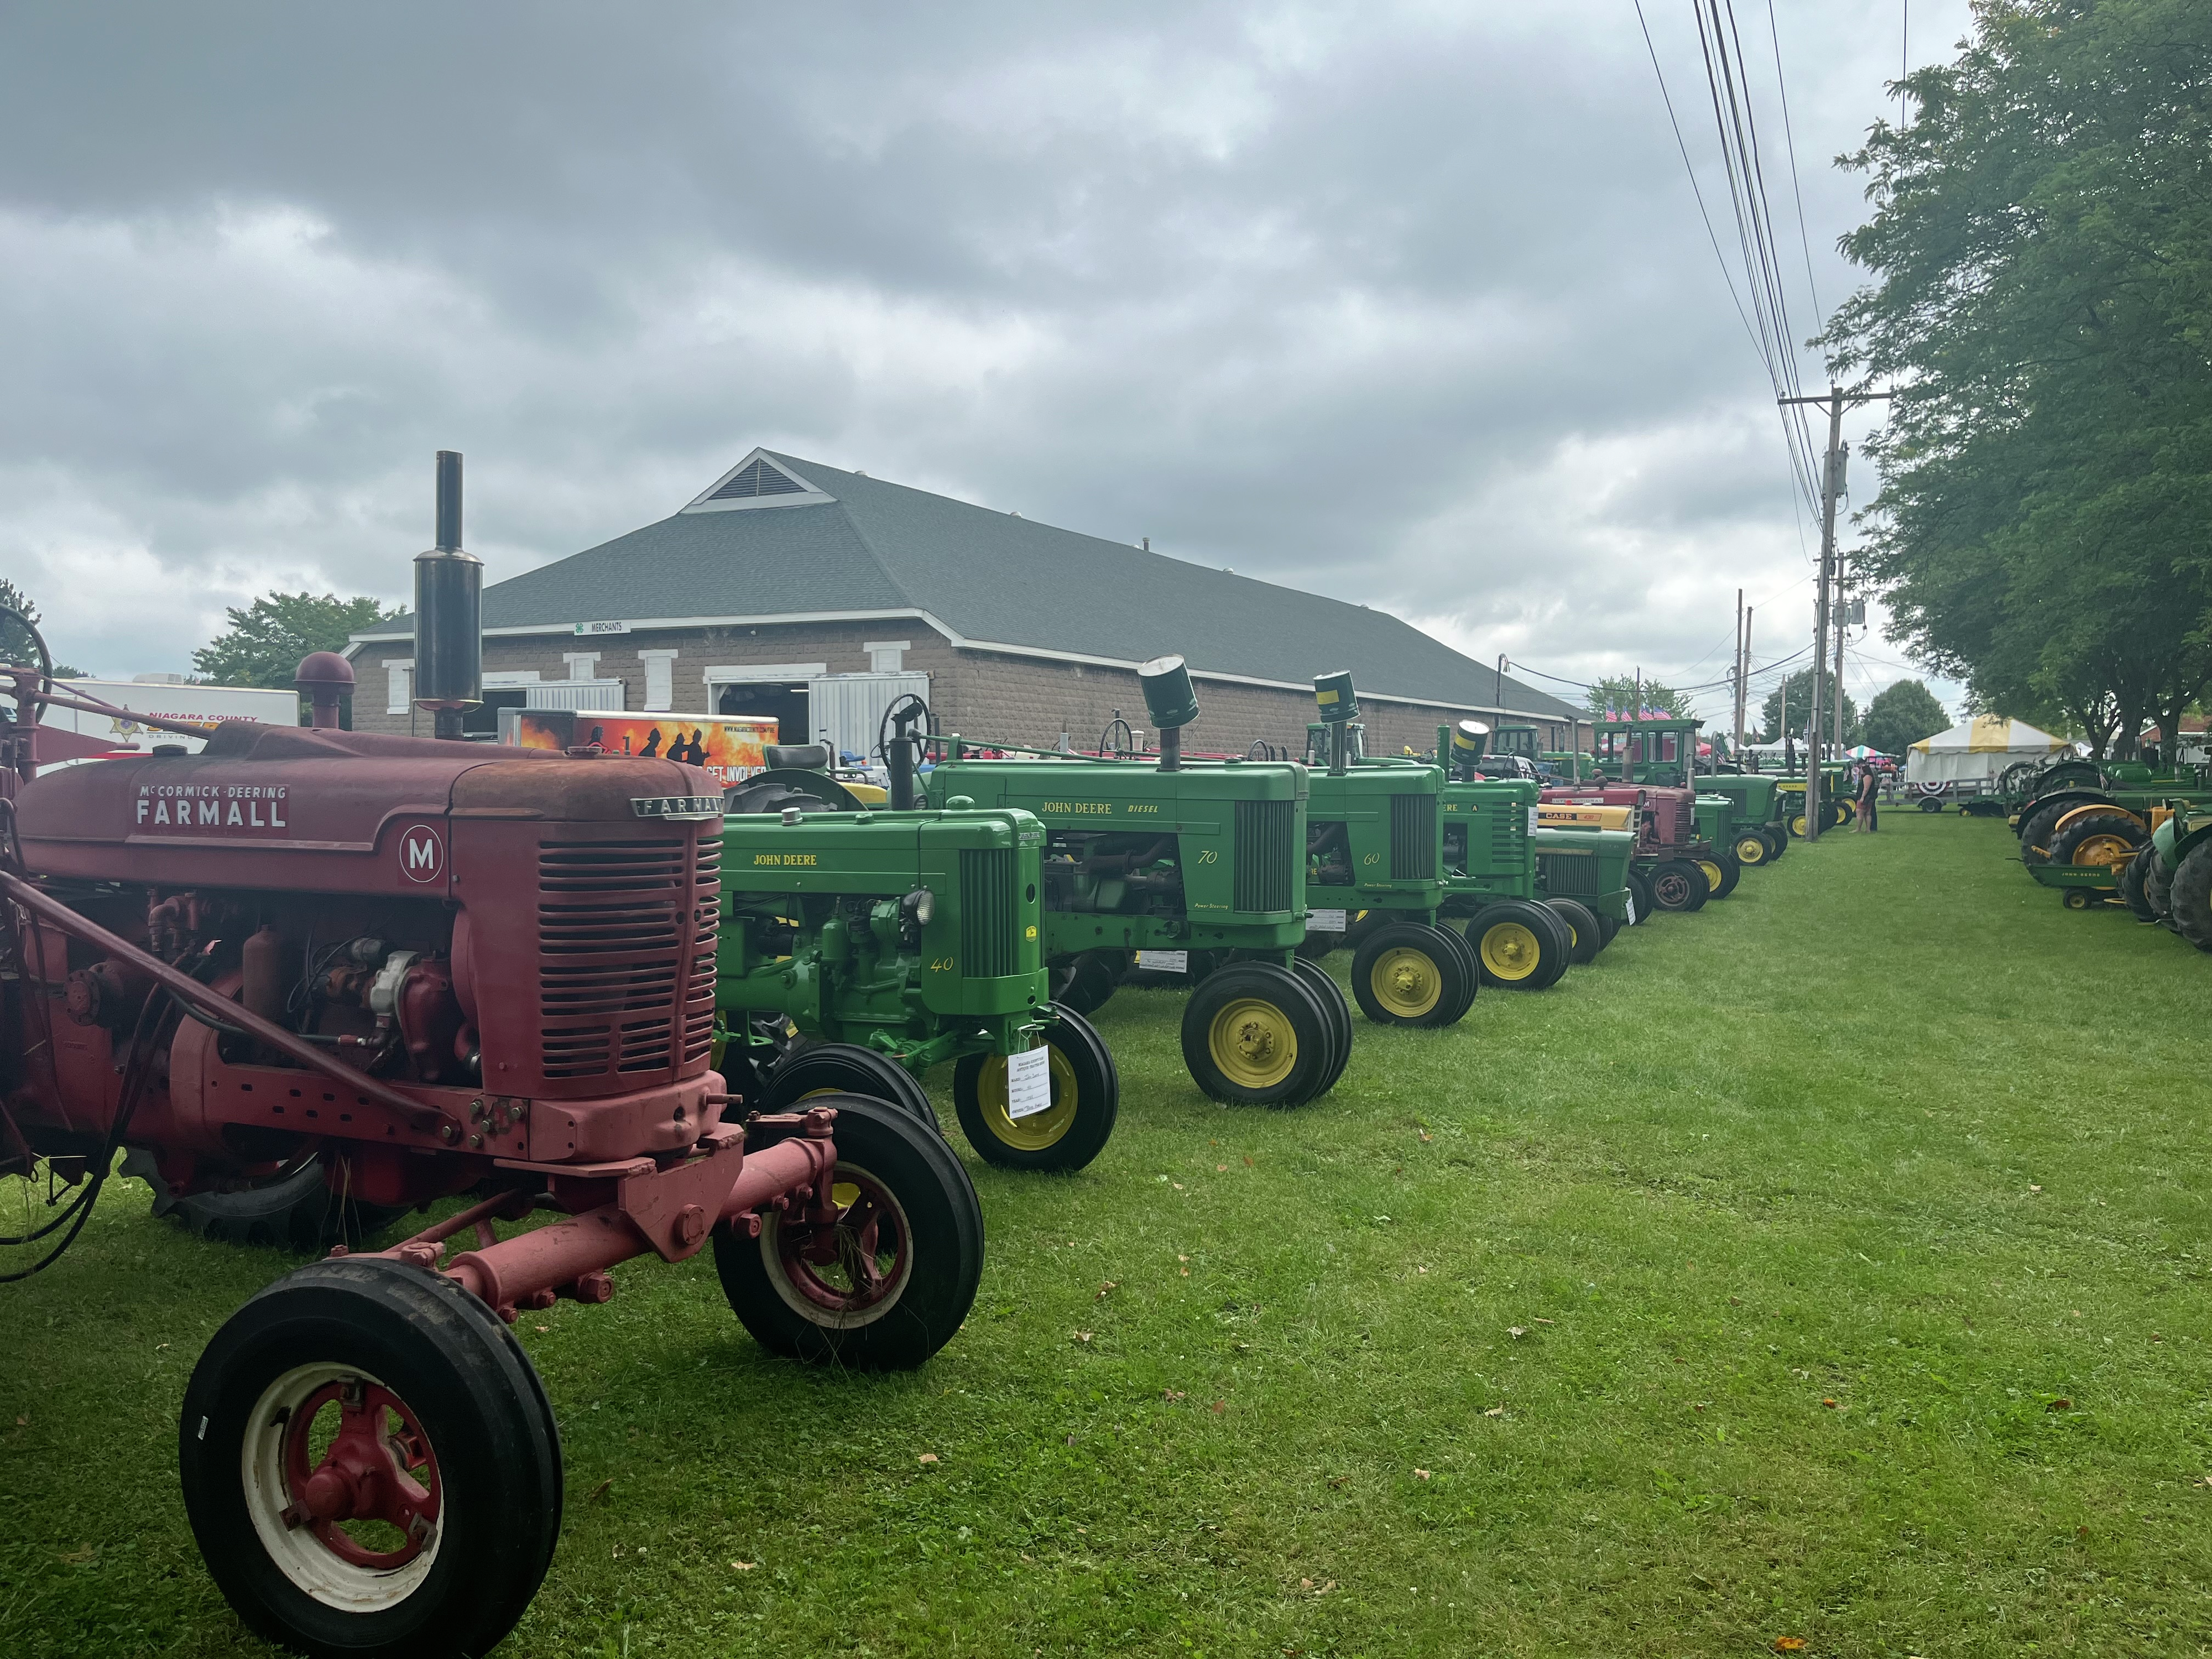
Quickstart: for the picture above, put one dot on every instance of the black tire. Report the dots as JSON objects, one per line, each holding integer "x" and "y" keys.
{"x": 1793, "y": 820}
{"x": 2035, "y": 830}
{"x": 477, "y": 1412}
{"x": 1585, "y": 938}
{"x": 1778, "y": 841}
{"x": 1318, "y": 944}
{"x": 1679, "y": 886}
{"x": 1087, "y": 983}
{"x": 1639, "y": 884}
{"x": 2098, "y": 837}
{"x": 2158, "y": 888}
{"x": 846, "y": 1068}
{"x": 1728, "y": 873}
{"x": 894, "y": 1175}
{"x": 1750, "y": 847}
{"x": 295, "y": 1210}
{"x": 1086, "y": 1097}
{"x": 1336, "y": 1005}
{"x": 1520, "y": 944}
{"x": 1931, "y": 803}
{"x": 1404, "y": 974}
{"x": 2131, "y": 883}
{"x": 1469, "y": 964}
{"x": 1608, "y": 928}
{"x": 2192, "y": 896}
{"x": 1253, "y": 1035}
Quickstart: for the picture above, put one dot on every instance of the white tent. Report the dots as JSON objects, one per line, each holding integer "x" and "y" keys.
{"x": 1978, "y": 751}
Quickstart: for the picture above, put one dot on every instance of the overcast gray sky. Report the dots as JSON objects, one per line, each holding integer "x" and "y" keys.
{"x": 1405, "y": 303}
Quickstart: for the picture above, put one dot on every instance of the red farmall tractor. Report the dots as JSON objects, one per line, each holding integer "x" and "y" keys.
{"x": 434, "y": 969}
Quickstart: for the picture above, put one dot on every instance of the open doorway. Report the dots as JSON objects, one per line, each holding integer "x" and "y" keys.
{"x": 774, "y": 699}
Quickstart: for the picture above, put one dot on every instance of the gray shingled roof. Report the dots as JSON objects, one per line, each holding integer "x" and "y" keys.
{"x": 993, "y": 579}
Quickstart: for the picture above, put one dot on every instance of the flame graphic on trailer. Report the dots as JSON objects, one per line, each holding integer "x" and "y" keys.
{"x": 727, "y": 746}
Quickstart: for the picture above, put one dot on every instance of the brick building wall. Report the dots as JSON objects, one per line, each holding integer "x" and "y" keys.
{"x": 979, "y": 693}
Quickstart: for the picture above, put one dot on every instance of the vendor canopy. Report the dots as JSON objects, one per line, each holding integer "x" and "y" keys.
{"x": 1977, "y": 751}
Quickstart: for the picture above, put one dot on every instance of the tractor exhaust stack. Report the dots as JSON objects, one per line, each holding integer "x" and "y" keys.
{"x": 448, "y": 614}
{"x": 1172, "y": 703}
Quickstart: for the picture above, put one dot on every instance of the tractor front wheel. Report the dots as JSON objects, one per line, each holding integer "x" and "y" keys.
{"x": 1679, "y": 886}
{"x": 1721, "y": 874}
{"x": 370, "y": 1465}
{"x": 1777, "y": 839}
{"x": 884, "y": 1285}
{"x": 1609, "y": 929}
{"x": 1408, "y": 973}
{"x": 1070, "y": 1131}
{"x": 1253, "y": 1035}
{"x": 1334, "y": 1004}
{"x": 846, "y": 1068}
{"x": 1087, "y": 983}
{"x": 1639, "y": 889}
{"x": 1750, "y": 848}
{"x": 1522, "y": 945}
{"x": 1586, "y": 938}
{"x": 2132, "y": 881}
{"x": 2191, "y": 897}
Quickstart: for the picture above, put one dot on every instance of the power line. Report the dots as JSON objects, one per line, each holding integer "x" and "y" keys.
{"x": 1782, "y": 86}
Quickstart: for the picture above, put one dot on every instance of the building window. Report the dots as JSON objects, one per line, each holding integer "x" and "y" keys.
{"x": 399, "y": 685}
{"x": 659, "y": 679}
{"x": 887, "y": 656}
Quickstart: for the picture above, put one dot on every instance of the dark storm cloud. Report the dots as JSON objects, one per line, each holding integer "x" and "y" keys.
{"x": 1407, "y": 304}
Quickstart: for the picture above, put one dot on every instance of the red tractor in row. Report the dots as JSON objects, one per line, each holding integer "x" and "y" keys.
{"x": 430, "y": 970}
{"x": 1674, "y": 867}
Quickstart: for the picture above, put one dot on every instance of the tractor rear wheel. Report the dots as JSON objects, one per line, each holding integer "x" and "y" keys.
{"x": 1403, "y": 973}
{"x": 369, "y": 1464}
{"x": 1750, "y": 848}
{"x": 2035, "y": 831}
{"x": 1253, "y": 1035}
{"x": 2131, "y": 883}
{"x": 1086, "y": 1097}
{"x": 846, "y": 1068}
{"x": 2192, "y": 896}
{"x": 2158, "y": 887}
{"x": 293, "y": 1208}
{"x": 1585, "y": 938}
{"x": 1334, "y": 1003}
{"x": 886, "y": 1285}
{"x": 1087, "y": 983}
{"x": 1721, "y": 874}
{"x": 1679, "y": 886}
{"x": 2104, "y": 836}
{"x": 1522, "y": 945}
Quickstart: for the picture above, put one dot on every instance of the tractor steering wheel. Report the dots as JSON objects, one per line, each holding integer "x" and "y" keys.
{"x": 887, "y": 727}
{"x": 21, "y": 647}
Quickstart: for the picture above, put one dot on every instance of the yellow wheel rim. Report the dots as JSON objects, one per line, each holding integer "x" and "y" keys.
{"x": 2110, "y": 851}
{"x": 1751, "y": 850}
{"x": 1714, "y": 874}
{"x": 1406, "y": 982}
{"x": 1511, "y": 950}
{"x": 1797, "y": 823}
{"x": 1039, "y": 1130}
{"x": 1253, "y": 1044}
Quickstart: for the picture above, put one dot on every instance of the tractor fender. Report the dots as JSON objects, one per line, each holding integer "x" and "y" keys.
{"x": 2074, "y": 813}
{"x": 2176, "y": 841}
{"x": 2070, "y": 799}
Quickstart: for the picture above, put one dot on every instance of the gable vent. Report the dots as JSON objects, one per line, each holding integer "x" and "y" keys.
{"x": 758, "y": 479}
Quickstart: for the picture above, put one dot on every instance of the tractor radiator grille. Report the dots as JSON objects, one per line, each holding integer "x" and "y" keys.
{"x": 1567, "y": 875}
{"x": 989, "y": 949}
{"x": 626, "y": 955}
{"x": 1412, "y": 837}
{"x": 1508, "y": 836}
{"x": 1268, "y": 860}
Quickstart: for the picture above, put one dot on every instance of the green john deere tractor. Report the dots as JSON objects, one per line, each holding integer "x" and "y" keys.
{"x": 1374, "y": 855}
{"x": 1524, "y": 936}
{"x": 860, "y": 947}
{"x": 1194, "y": 868}
{"x": 2168, "y": 879}
{"x": 1759, "y": 835}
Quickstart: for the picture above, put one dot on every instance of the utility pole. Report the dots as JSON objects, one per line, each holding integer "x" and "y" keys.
{"x": 1832, "y": 491}
{"x": 1744, "y": 685}
{"x": 1843, "y": 619}
{"x": 1737, "y": 674}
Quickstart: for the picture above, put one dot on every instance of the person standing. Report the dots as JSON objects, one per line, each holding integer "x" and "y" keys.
{"x": 1869, "y": 787}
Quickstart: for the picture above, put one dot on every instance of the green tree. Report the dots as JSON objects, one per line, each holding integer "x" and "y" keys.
{"x": 1621, "y": 695}
{"x": 264, "y": 642}
{"x": 2042, "y": 244}
{"x": 1900, "y": 715}
{"x": 15, "y": 599}
{"x": 1797, "y": 692}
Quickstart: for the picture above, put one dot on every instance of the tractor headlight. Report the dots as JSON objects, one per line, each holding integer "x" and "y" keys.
{"x": 921, "y": 905}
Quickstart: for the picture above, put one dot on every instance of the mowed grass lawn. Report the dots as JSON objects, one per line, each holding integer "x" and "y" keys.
{"x": 1830, "y": 1264}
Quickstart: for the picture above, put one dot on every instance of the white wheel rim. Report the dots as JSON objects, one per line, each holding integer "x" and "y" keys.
{"x": 813, "y": 1312}
{"x": 296, "y": 1552}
